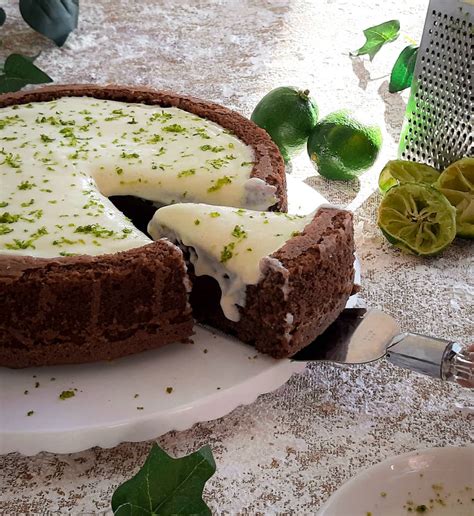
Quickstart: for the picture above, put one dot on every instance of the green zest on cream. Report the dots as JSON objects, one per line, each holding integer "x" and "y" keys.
{"x": 67, "y": 394}
{"x": 60, "y": 160}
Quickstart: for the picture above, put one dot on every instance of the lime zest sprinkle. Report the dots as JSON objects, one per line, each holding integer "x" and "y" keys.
{"x": 4, "y": 229}
{"x": 211, "y": 148}
{"x": 26, "y": 185}
{"x": 20, "y": 244}
{"x": 226, "y": 180}
{"x": 66, "y": 395}
{"x": 227, "y": 252}
{"x": 96, "y": 230}
{"x": 129, "y": 155}
{"x": 187, "y": 173}
{"x": 238, "y": 232}
{"x": 174, "y": 128}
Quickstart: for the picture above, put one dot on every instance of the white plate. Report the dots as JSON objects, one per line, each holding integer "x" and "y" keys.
{"x": 442, "y": 479}
{"x": 209, "y": 379}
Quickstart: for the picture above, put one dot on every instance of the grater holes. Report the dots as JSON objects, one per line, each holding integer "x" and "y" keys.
{"x": 442, "y": 82}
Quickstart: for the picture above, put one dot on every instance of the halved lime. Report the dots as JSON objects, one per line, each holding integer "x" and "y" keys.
{"x": 457, "y": 184}
{"x": 399, "y": 171}
{"x": 417, "y": 219}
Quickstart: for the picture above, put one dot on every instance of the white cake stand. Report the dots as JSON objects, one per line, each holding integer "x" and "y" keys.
{"x": 142, "y": 396}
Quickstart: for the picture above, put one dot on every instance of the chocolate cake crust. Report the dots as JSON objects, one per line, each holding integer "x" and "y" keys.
{"x": 305, "y": 286}
{"x": 83, "y": 309}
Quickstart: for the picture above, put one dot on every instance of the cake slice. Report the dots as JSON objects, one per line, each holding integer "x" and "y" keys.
{"x": 273, "y": 280}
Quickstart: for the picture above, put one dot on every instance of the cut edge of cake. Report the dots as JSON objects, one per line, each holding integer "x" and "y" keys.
{"x": 304, "y": 287}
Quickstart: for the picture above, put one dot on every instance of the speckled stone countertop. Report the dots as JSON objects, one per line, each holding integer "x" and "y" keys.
{"x": 288, "y": 451}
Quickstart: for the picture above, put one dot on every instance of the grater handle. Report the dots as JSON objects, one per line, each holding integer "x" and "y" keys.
{"x": 458, "y": 364}
{"x": 438, "y": 358}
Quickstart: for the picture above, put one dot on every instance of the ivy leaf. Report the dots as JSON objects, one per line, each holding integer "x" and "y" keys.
{"x": 377, "y": 36}
{"x": 166, "y": 486}
{"x": 55, "y": 19}
{"x": 18, "y": 71}
{"x": 402, "y": 71}
{"x": 3, "y": 16}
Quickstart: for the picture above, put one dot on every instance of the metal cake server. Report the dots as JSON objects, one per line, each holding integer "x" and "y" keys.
{"x": 359, "y": 336}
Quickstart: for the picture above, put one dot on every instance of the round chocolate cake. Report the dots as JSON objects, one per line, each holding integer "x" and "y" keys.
{"x": 80, "y": 281}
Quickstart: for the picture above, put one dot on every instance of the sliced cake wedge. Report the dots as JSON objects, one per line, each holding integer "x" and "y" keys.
{"x": 274, "y": 280}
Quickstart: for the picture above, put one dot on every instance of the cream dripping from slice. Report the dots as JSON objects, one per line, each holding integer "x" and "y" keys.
{"x": 231, "y": 245}
{"x": 60, "y": 160}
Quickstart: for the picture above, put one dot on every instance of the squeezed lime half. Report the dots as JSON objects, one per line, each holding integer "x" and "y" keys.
{"x": 417, "y": 219}
{"x": 399, "y": 171}
{"x": 457, "y": 184}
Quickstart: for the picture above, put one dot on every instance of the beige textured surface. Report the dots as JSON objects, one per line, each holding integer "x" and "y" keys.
{"x": 291, "y": 449}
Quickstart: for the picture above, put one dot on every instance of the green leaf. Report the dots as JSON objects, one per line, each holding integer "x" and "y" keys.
{"x": 402, "y": 71}
{"x": 165, "y": 485}
{"x": 18, "y": 71}
{"x": 3, "y": 16}
{"x": 377, "y": 36}
{"x": 55, "y": 19}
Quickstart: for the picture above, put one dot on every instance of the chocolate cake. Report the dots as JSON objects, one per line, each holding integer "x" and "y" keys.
{"x": 78, "y": 282}
{"x": 275, "y": 281}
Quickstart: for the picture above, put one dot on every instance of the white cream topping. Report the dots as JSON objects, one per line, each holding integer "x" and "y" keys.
{"x": 231, "y": 245}
{"x": 60, "y": 160}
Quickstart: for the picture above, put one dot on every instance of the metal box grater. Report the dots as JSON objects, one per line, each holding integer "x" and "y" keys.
{"x": 438, "y": 120}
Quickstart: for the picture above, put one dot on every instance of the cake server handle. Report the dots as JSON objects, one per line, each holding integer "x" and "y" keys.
{"x": 439, "y": 358}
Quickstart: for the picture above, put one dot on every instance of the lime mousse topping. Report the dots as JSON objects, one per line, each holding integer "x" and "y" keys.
{"x": 239, "y": 250}
{"x": 60, "y": 160}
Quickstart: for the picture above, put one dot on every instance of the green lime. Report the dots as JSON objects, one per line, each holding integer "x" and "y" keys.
{"x": 342, "y": 147}
{"x": 288, "y": 115}
{"x": 457, "y": 184}
{"x": 417, "y": 219}
{"x": 399, "y": 171}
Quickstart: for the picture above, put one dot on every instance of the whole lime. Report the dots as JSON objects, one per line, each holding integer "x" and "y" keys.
{"x": 341, "y": 147}
{"x": 288, "y": 114}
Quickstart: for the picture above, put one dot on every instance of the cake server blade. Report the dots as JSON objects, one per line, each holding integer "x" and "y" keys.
{"x": 359, "y": 336}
